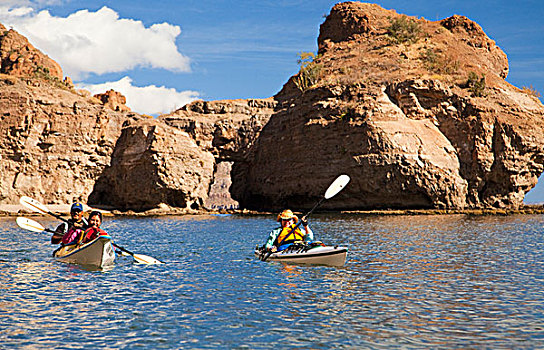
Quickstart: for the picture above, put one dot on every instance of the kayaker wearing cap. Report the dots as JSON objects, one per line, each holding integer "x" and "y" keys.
{"x": 67, "y": 233}
{"x": 94, "y": 230}
{"x": 281, "y": 236}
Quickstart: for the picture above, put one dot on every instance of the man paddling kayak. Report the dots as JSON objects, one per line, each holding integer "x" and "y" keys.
{"x": 70, "y": 231}
{"x": 288, "y": 233}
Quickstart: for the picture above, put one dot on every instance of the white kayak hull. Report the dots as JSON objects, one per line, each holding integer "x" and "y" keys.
{"x": 98, "y": 252}
{"x": 332, "y": 256}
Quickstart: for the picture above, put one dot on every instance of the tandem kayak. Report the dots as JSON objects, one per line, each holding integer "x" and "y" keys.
{"x": 314, "y": 254}
{"x": 98, "y": 252}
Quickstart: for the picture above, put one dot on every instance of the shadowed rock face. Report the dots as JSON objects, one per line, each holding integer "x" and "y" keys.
{"x": 154, "y": 164}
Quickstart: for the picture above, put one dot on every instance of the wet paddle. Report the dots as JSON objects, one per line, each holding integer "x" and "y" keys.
{"x": 139, "y": 258}
{"x": 334, "y": 188}
{"x": 32, "y": 225}
{"x": 38, "y": 207}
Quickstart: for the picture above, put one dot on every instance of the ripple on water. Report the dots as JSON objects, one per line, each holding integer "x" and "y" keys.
{"x": 409, "y": 282}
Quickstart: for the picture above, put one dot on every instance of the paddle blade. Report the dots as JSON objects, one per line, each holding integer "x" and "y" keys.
{"x": 337, "y": 186}
{"x": 33, "y": 205}
{"x": 30, "y": 225}
{"x": 144, "y": 259}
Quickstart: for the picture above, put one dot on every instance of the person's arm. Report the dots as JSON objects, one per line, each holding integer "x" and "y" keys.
{"x": 271, "y": 238}
{"x": 309, "y": 236}
{"x": 56, "y": 238}
{"x": 308, "y": 233}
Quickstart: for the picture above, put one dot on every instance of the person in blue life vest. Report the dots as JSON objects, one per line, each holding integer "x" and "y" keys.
{"x": 282, "y": 236}
{"x": 70, "y": 232}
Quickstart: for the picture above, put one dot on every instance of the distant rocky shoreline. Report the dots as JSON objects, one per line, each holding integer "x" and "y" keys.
{"x": 14, "y": 211}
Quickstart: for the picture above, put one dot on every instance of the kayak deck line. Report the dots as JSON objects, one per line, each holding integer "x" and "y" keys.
{"x": 319, "y": 255}
{"x": 298, "y": 256}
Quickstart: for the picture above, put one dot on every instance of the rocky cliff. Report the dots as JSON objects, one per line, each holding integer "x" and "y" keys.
{"x": 417, "y": 113}
{"x": 183, "y": 159}
{"x": 54, "y": 141}
{"x": 18, "y": 57}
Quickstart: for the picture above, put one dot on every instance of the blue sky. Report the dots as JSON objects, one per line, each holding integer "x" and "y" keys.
{"x": 163, "y": 54}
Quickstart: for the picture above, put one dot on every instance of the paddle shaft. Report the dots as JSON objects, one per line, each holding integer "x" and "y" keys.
{"x": 122, "y": 249}
{"x": 58, "y": 216}
{"x": 40, "y": 210}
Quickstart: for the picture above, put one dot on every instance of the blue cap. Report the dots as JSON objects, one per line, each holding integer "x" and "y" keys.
{"x": 77, "y": 206}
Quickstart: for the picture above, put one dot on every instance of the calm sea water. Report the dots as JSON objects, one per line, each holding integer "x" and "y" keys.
{"x": 410, "y": 282}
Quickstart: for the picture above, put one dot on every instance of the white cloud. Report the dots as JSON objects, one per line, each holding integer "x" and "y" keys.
{"x": 19, "y": 11}
{"x": 150, "y": 99}
{"x": 98, "y": 42}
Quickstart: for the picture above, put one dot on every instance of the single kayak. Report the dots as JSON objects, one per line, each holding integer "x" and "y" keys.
{"x": 98, "y": 252}
{"x": 314, "y": 254}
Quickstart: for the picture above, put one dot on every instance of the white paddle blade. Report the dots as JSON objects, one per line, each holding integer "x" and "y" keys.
{"x": 33, "y": 205}
{"x": 30, "y": 225}
{"x": 144, "y": 259}
{"x": 337, "y": 186}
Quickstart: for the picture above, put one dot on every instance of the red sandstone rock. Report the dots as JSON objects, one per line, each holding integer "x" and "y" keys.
{"x": 114, "y": 100}
{"x": 19, "y": 57}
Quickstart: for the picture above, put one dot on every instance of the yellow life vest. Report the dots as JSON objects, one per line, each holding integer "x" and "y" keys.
{"x": 297, "y": 235}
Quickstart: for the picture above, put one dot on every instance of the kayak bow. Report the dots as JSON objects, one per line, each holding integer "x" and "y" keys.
{"x": 98, "y": 252}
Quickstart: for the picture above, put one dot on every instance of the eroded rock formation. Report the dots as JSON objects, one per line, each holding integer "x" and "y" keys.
{"x": 183, "y": 159}
{"x": 401, "y": 119}
{"x": 53, "y": 142}
{"x": 19, "y": 57}
{"x": 424, "y": 121}
{"x": 114, "y": 100}
{"x": 153, "y": 164}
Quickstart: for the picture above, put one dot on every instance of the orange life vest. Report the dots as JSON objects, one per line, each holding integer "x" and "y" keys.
{"x": 297, "y": 235}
